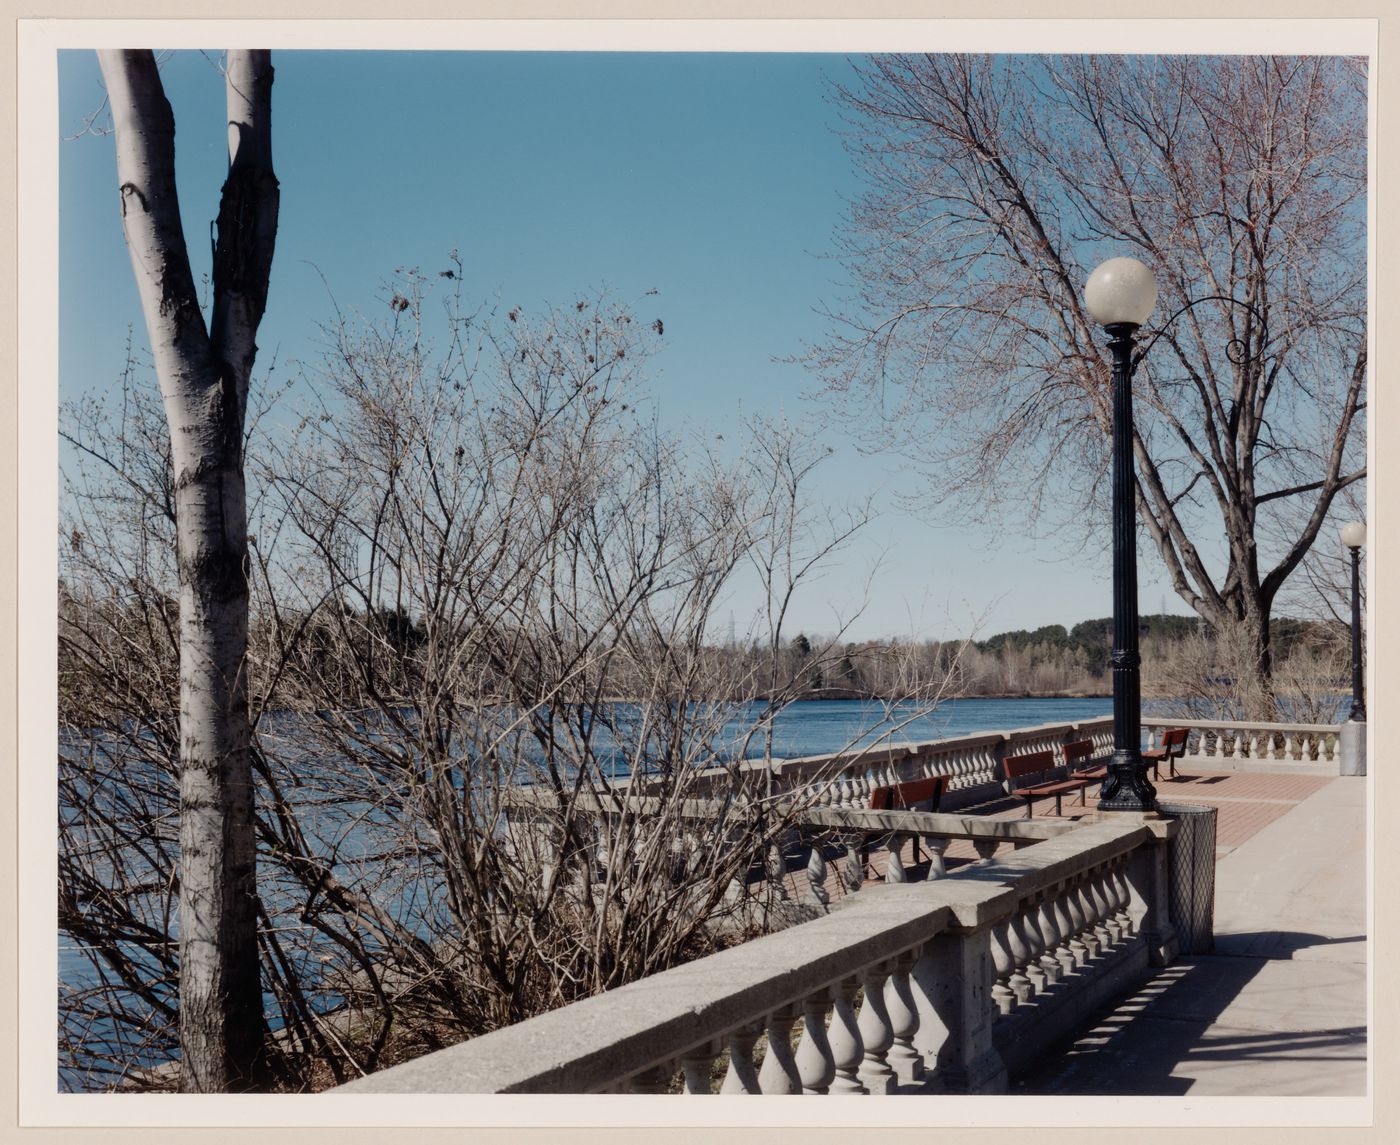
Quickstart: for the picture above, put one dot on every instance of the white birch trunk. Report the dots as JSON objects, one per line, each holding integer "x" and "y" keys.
{"x": 204, "y": 385}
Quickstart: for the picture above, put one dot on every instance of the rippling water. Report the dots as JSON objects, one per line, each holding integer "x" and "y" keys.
{"x": 807, "y": 728}
{"x": 813, "y": 727}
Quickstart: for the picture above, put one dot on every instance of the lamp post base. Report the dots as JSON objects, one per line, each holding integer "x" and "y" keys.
{"x": 1126, "y": 788}
{"x": 1351, "y": 748}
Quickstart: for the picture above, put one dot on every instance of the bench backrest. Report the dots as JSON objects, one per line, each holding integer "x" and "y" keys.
{"x": 1175, "y": 742}
{"x": 1079, "y": 750}
{"x": 1032, "y": 763}
{"x": 903, "y": 796}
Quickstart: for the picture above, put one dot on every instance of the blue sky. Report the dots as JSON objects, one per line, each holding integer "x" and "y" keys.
{"x": 716, "y": 179}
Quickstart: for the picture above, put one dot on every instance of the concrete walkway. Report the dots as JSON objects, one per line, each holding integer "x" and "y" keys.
{"x": 1279, "y": 1007}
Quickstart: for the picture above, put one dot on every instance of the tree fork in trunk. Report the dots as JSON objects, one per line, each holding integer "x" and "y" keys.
{"x": 204, "y": 385}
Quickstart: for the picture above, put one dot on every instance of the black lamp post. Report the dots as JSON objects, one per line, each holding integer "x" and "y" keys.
{"x": 1353, "y": 537}
{"x": 1120, "y": 294}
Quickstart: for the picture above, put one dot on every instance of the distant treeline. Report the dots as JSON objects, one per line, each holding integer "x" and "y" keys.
{"x": 345, "y": 650}
{"x": 1179, "y": 652}
{"x": 1094, "y": 638}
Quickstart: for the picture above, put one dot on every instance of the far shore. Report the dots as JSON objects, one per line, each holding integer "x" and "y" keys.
{"x": 846, "y": 694}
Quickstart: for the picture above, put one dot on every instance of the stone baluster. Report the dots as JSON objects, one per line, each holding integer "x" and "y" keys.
{"x": 742, "y": 1077}
{"x": 1043, "y": 919}
{"x": 1095, "y": 936}
{"x": 1123, "y": 897}
{"x": 588, "y": 853}
{"x": 991, "y": 760}
{"x": 842, "y": 790}
{"x": 698, "y": 1065}
{"x": 936, "y": 845}
{"x": 694, "y": 854}
{"x": 1083, "y": 908}
{"x": 776, "y": 869}
{"x": 1071, "y": 952}
{"x": 844, "y": 1037}
{"x": 1028, "y": 979}
{"x": 1003, "y": 994}
{"x": 876, "y": 1031}
{"x": 816, "y": 874}
{"x": 779, "y": 1073}
{"x": 894, "y": 870}
{"x": 985, "y": 849}
{"x": 853, "y": 869}
{"x": 815, "y": 1064}
{"x": 1108, "y": 899}
{"x": 904, "y": 1059}
{"x": 1104, "y": 925}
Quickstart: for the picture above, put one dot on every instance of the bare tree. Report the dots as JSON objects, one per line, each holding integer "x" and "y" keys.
{"x": 541, "y": 723}
{"x": 203, "y": 374}
{"x": 499, "y": 756}
{"x": 996, "y": 184}
{"x": 792, "y": 540}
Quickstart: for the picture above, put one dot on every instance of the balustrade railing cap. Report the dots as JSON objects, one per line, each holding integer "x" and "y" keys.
{"x": 601, "y": 1040}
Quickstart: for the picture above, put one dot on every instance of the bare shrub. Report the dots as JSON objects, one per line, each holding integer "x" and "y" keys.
{"x": 488, "y": 706}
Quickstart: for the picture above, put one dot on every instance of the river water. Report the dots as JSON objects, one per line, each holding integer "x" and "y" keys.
{"x": 814, "y": 727}
{"x": 807, "y": 728}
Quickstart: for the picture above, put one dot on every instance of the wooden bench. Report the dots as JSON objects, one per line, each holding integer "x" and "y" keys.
{"x": 1038, "y": 763}
{"x": 1080, "y": 752}
{"x": 906, "y": 797}
{"x": 1173, "y": 748}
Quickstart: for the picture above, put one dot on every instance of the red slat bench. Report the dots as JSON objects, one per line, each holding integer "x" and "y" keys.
{"x": 905, "y": 796}
{"x": 1173, "y": 748}
{"x": 1037, "y": 763}
{"x": 1081, "y": 751}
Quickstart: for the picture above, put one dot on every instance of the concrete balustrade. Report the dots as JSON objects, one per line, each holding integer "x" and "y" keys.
{"x": 939, "y": 986}
{"x": 947, "y": 985}
{"x": 972, "y": 765}
{"x": 843, "y": 782}
{"x": 1222, "y": 745}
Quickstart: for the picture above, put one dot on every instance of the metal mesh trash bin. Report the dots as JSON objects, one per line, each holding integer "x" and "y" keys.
{"x": 1191, "y": 867}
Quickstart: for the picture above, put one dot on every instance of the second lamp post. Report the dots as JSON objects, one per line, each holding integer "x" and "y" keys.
{"x": 1120, "y": 294}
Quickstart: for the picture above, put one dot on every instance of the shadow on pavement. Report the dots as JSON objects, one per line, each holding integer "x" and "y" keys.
{"x": 1151, "y": 1041}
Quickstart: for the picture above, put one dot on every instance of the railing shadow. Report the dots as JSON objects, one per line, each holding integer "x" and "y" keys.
{"x": 1145, "y": 1042}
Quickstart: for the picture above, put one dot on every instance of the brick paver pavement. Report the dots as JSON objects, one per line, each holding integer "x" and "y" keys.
{"x": 1246, "y": 802}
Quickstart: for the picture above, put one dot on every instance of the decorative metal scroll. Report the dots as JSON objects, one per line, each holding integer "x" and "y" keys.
{"x": 1236, "y": 349}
